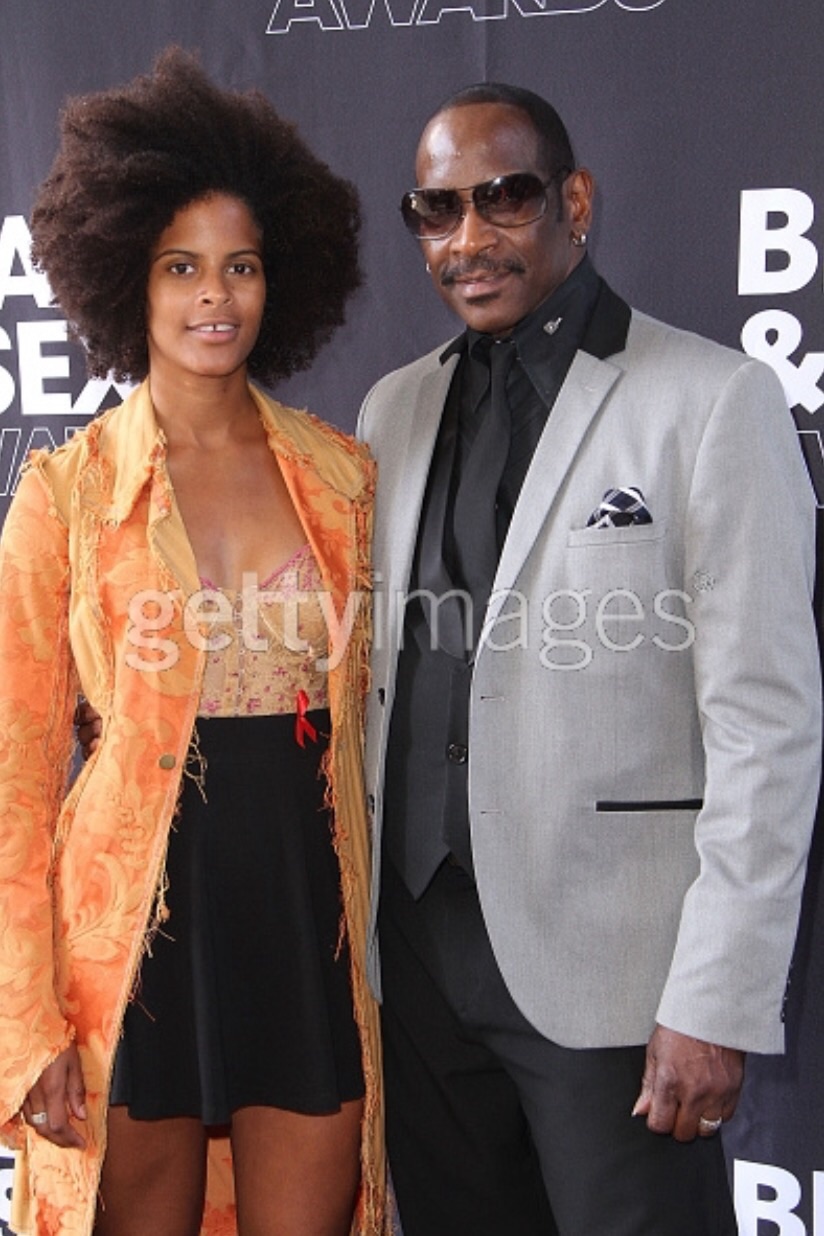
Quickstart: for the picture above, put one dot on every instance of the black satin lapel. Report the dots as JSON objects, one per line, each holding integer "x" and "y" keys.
{"x": 607, "y": 330}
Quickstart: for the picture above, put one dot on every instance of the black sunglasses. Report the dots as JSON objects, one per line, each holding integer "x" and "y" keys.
{"x": 506, "y": 201}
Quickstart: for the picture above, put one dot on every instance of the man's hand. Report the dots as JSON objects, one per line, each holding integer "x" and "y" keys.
{"x": 58, "y": 1093}
{"x": 688, "y": 1085}
{"x": 88, "y": 724}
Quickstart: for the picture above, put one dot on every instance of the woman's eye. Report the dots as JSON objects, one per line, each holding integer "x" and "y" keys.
{"x": 242, "y": 268}
{"x": 181, "y": 268}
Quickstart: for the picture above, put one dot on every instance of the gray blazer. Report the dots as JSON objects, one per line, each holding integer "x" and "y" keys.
{"x": 645, "y": 711}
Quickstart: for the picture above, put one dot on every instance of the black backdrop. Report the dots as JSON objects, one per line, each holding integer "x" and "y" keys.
{"x": 701, "y": 122}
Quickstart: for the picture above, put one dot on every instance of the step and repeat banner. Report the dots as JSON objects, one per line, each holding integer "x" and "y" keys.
{"x": 701, "y": 121}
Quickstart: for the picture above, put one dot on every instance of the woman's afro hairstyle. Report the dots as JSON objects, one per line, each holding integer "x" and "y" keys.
{"x": 131, "y": 158}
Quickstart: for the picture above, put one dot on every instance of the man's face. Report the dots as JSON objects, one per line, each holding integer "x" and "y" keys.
{"x": 493, "y": 276}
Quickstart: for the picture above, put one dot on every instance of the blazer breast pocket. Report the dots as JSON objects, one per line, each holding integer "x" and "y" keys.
{"x": 629, "y": 559}
{"x": 605, "y": 538}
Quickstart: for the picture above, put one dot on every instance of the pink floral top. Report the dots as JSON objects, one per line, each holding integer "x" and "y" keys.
{"x": 268, "y": 642}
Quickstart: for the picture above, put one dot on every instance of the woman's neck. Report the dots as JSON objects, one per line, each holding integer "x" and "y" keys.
{"x": 194, "y": 410}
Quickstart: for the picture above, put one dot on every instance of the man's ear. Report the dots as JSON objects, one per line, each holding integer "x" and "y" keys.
{"x": 578, "y": 192}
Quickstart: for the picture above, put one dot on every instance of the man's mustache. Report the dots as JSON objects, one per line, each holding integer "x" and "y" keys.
{"x": 480, "y": 265}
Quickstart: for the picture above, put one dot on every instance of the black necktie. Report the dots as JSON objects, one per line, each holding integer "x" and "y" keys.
{"x": 474, "y": 520}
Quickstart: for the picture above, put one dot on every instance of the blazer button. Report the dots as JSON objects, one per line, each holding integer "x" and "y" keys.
{"x": 457, "y": 753}
{"x": 167, "y": 761}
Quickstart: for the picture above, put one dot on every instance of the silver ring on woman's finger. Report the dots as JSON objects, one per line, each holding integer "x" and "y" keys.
{"x": 709, "y": 1126}
{"x": 39, "y": 1117}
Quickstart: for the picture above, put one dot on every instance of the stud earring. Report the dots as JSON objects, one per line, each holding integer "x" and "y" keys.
{"x": 428, "y": 269}
{"x": 579, "y": 239}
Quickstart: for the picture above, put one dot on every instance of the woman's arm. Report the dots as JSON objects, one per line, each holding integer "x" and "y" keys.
{"x": 37, "y": 695}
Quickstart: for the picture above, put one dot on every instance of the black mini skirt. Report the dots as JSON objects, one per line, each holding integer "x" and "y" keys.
{"x": 245, "y": 997}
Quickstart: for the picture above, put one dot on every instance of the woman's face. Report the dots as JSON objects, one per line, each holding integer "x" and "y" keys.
{"x": 206, "y": 290}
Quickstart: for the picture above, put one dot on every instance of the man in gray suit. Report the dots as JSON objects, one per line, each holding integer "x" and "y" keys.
{"x": 593, "y": 740}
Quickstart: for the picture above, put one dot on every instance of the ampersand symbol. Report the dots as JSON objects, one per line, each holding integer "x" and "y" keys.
{"x": 773, "y": 336}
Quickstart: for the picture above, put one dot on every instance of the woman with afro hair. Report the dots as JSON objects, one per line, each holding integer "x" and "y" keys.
{"x": 187, "y": 1042}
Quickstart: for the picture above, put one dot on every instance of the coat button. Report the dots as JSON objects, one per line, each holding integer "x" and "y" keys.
{"x": 167, "y": 760}
{"x": 457, "y": 753}
{"x": 381, "y": 695}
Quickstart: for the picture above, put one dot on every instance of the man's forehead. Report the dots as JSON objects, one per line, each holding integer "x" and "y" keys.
{"x": 480, "y": 140}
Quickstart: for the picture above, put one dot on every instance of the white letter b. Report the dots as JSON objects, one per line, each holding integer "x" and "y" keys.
{"x": 777, "y": 1210}
{"x": 757, "y": 239}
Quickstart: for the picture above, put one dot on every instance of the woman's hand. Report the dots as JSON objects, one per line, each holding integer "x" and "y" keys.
{"x": 58, "y": 1093}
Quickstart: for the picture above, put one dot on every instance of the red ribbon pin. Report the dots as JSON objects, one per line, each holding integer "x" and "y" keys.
{"x": 303, "y": 727}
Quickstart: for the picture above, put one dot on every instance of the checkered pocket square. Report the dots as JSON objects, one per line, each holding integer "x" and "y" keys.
{"x": 620, "y": 507}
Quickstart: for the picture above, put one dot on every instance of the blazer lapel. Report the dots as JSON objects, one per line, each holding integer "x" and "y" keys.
{"x": 590, "y": 378}
{"x": 402, "y": 477}
{"x": 587, "y": 385}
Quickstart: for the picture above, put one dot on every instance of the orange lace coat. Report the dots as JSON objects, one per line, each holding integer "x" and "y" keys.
{"x": 93, "y": 525}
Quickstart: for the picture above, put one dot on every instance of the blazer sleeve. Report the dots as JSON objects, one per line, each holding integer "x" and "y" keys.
{"x": 749, "y": 562}
{"x": 36, "y": 737}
